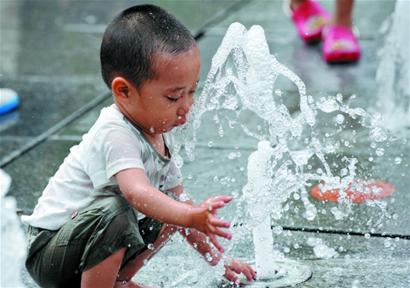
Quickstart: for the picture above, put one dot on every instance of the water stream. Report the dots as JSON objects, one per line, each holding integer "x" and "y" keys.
{"x": 393, "y": 74}
{"x": 293, "y": 150}
{"x": 13, "y": 244}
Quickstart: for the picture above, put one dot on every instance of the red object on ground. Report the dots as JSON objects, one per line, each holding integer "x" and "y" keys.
{"x": 357, "y": 193}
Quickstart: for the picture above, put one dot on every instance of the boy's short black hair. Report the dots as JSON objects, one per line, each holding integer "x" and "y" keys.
{"x": 132, "y": 38}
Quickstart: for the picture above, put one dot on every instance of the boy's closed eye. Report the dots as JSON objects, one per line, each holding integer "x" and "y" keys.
{"x": 178, "y": 93}
{"x": 173, "y": 98}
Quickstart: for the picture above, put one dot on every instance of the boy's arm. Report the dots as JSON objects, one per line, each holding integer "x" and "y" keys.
{"x": 197, "y": 239}
{"x": 141, "y": 195}
{"x": 200, "y": 243}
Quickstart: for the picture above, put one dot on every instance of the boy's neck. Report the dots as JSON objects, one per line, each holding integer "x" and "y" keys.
{"x": 158, "y": 143}
{"x": 140, "y": 127}
{"x": 155, "y": 139}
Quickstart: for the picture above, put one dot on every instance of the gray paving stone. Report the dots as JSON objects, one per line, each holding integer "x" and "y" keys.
{"x": 57, "y": 73}
{"x": 31, "y": 172}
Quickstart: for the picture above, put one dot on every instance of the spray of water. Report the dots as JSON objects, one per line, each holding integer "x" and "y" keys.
{"x": 295, "y": 150}
{"x": 12, "y": 238}
{"x": 393, "y": 73}
{"x": 242, "y": 81}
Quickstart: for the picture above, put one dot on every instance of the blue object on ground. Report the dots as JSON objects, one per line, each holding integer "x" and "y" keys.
{"x": 9, "y": 100}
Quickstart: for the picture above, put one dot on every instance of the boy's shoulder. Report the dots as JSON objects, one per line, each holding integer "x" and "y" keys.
{"x": 109, "y": 119}
{"x": 110, "y": 115}
{"x": 110, "y": 112}
{"x": 112, "y": 122}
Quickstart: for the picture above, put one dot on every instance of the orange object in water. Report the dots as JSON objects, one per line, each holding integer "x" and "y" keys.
{"x": 358, "y": 191}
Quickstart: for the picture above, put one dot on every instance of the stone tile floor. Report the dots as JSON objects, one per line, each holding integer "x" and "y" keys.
{"x": 52, "y": 61}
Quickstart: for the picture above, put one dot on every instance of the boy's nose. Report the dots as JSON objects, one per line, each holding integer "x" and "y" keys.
{"x": 185, "y": 107}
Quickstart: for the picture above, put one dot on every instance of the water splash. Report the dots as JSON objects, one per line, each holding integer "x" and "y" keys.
{"x": 393, "y": 74}
{"x": 241, "y": 85}
{"x": 295, "y": 150}
{"x": 12, "y": 238}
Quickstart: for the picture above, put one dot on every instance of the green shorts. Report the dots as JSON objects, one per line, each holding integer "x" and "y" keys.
{"x": 57, "y": 258}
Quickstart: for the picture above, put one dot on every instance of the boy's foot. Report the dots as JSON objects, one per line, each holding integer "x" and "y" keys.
{"x": 340, "y": 45}
{"x": 9, "y": 100}
{"x": 309, "y": 18}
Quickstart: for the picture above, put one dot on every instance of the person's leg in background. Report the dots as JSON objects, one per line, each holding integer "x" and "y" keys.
{"x": 309, "y": 18}
{"x": 314, "y": 23}
{"x": 343, "y": 13}
{"x": 340, "y": 44}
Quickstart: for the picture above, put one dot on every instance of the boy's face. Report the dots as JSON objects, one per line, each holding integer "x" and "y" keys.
{"x": 162, "y": 103}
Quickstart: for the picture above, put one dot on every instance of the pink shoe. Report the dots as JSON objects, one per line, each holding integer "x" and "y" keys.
{"x": 340, "y": 45}
{"x": 309, "y": 19}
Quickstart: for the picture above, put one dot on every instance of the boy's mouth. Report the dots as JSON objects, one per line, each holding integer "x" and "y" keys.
{"x": 181, "y": 120}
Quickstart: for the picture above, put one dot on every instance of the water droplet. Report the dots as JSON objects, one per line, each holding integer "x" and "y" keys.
{"x": 387, "y": 242}
{"x": 397, "y": 160}
{"x": 234, "y": 155}
{"x": 378, "y": 134}
{"x": 277, "y": 230}
{"x": 328, "y": 105}
{"x": 179, "y": 162}
{"x": 356, "y": 284}
{"x": 150, "y": 246}
{"x": 367, "y": 236}
{"x": 379, "y": 151}
{"x": 340, "y": 119}
{"x": 210, "y": 144}
{"x": 208, "y": 257}
{"x": 220, "y": 131}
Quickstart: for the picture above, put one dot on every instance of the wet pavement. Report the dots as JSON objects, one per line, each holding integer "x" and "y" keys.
{"x": 49, "y": 53}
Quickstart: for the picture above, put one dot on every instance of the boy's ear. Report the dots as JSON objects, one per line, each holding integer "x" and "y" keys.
{"x": 121, "y": 88}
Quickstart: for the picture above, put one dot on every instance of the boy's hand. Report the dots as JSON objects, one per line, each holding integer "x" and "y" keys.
{"x": 203, "y": 218}
{"x": 235, "y": 267}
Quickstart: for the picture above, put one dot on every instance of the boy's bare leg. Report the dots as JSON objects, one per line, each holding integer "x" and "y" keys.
{"x": 343, "y": 13}
{"x": 133, "y": 266}
{"x": 295, "y": 3}
{"x": 105, "y": 273}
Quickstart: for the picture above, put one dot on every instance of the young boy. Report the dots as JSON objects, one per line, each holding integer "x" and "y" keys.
{"x": 113, "y": 203}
